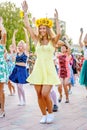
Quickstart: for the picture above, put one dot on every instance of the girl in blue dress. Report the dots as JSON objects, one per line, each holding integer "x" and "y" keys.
{"x": 19, "y": 73}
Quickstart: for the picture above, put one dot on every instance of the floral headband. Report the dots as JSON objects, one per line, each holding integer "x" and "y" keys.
{"x": 44, "y": 21}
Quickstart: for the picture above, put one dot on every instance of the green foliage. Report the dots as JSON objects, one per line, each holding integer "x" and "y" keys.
{"x": 32, "y": 48}
{"x": 12, "y": 20}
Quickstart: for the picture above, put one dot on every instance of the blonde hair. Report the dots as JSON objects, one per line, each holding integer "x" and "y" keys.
{"x": 22, "y": 43}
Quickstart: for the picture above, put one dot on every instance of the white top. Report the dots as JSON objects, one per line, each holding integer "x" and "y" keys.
{"x": 85, "y": 52}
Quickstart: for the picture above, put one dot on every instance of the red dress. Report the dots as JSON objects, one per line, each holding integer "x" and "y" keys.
{"x": 64, "y": 70}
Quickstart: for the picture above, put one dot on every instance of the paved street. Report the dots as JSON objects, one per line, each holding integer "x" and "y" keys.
{"x": 72, "y": 116}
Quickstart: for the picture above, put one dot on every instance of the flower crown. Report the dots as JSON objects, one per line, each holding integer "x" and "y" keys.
{"x": 45, "y": 22}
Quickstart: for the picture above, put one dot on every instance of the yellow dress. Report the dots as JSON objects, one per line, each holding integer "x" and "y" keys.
{"x": 44, "y": 72}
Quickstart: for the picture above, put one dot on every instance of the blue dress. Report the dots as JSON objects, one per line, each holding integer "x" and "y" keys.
{"x": 19, "y": 73}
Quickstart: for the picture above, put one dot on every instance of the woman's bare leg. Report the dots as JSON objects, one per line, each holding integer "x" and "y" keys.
{"x": 60, "y": 92}
{"x": 65, "y": 85}
{"x": 11, "y": 88}
{"x": 2, "y": 96}
{"x": 41, "y": 101}
{"x": 46, "y": 89}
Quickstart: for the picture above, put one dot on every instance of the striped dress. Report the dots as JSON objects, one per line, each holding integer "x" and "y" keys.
{"x": 3, "y": 65}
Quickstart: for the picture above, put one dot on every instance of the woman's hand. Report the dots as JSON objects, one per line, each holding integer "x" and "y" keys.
{"x": 56, "y": 14}
{"x": 2, "y": 28}
{"x": 25, "y": 6}
{"x": 81, "y": 30}
{"x": 33, "y": 20}
{"x": 80, "y": 38}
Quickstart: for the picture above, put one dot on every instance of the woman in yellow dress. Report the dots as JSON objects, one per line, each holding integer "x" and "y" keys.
{"x": 44, "y": 74}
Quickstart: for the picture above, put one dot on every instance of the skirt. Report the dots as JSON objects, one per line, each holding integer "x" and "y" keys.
{"x": 19, "y": 74}
{"x": 72, "y": 79}
{"x": 83, "y": 74}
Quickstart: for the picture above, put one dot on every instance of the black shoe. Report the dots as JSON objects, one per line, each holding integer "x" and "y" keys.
{"x": 60, "y": 99}
{"x": 55, "y": 108}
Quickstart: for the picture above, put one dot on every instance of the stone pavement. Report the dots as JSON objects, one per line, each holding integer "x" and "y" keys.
{"x": 72, "y": 116}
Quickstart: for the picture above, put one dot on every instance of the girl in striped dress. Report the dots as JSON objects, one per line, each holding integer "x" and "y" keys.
{"x": 3, "y": 67}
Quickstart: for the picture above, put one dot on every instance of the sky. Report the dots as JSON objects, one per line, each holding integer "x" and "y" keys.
{"x": 73, "y": 12}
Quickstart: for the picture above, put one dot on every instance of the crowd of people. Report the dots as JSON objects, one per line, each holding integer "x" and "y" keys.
{"x": 45, "y": 69}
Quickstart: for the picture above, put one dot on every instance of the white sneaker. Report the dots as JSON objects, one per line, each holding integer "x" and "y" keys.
{"x": 2, "y": 114}
{"x": 50, "y": 118}
{"x": 44, "y": 119}
{"x": 70, "y": 92}
{"x": 21, "y": 104}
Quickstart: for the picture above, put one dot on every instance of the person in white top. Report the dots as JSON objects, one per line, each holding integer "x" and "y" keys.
{"x": 83, "y": 73}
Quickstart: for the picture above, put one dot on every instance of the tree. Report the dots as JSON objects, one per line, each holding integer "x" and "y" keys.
{"x": 12, "y": 20}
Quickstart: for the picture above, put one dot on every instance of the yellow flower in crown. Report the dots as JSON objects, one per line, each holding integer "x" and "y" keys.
{"x": 45, "y": 22}
{"x": 21, "y": 13}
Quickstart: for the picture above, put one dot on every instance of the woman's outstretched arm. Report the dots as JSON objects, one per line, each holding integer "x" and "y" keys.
{"x": 27, "y": 39}
{"x": 13, "y": 39}
{"x": 80, "y": 37}
{"x": 26, "y": 21}
{"x": 58, "y": 31}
